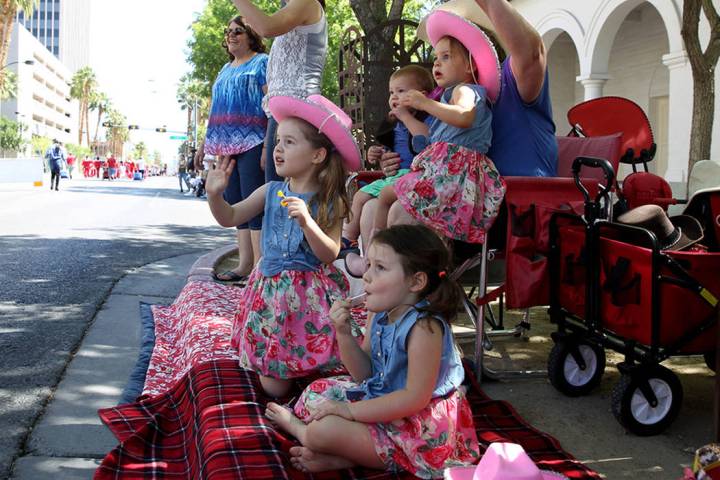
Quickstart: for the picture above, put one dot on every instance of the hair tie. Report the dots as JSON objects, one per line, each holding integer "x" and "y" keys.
{"x": 442, "y": 274}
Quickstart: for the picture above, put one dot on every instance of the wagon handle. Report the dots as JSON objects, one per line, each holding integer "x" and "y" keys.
{"x": 592, "y": 162}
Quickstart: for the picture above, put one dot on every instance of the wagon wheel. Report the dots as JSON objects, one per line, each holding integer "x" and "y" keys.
{"x": 648, "y": 401}
{"x": 710, "y": 360}
{"x": 575, "y": 368}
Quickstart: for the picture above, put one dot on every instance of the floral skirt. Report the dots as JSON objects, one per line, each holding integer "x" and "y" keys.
{"x": 453, "y": 190}
{"x": 282, "y": 328}
{"x": 440, "y": 436}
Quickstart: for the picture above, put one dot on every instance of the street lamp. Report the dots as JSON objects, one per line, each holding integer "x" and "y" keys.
{"x": 26, "y": 62}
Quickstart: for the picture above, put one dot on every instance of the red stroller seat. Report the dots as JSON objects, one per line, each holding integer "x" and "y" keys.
{"x": 607, "y": 115}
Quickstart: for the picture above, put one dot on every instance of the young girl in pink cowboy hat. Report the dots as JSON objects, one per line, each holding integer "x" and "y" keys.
{"x": 402, "y": 409}
{"x": 282, "y": 328}
{"x": 454, "y": 188}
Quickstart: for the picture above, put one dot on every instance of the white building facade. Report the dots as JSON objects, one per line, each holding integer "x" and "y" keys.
{"x": 43, "y": 90}
{"x": 627, "y": 48}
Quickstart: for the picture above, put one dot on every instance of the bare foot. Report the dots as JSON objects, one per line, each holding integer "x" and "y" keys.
{"x": 306, "y": 460}
{"x": 284, "y": 418}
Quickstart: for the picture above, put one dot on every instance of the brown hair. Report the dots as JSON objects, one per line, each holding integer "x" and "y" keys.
{"x": 256, "y": 43}
{"x": 332, "y": 197}
{"x": 419, "y": 74}
{"x": 421, "y": 250}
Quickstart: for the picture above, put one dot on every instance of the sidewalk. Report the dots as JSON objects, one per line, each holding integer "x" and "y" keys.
{"x": 69, "y": 441}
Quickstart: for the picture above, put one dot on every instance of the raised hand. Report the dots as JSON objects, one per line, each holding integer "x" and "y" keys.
{"x": 219, "y": 175}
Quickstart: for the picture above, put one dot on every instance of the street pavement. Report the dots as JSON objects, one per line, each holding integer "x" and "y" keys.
{"x": 61, "y": 254}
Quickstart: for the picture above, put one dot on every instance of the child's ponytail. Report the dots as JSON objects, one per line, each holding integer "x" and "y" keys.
{"x": 421, "y": 250}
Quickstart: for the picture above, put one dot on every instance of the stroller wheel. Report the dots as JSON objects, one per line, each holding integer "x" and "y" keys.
{"x": 575, "y": 368}
{"x": 647, "y": 400}
{"x": 710, "y": 360}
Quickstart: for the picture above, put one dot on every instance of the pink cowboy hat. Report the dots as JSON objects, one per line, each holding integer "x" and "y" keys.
{"x": 439, "y": 24}
{"x": 502, "y": 461}
{"x": 327, "y": 117}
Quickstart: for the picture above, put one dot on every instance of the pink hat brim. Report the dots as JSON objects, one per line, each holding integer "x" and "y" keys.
{"x": 445, "y": 24}
{"x": 326, "y": 117}
{"x": 468, "y": 473}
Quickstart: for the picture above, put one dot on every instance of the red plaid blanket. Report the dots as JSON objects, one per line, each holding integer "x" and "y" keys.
{"x": 210, "y": 425}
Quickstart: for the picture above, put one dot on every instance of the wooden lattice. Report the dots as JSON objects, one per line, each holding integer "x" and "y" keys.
{"x": 355, "y": 68}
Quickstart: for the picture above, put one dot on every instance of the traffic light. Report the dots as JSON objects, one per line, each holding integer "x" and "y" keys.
{"x": 161, "y": 129}
{"x": 133, "y": 127}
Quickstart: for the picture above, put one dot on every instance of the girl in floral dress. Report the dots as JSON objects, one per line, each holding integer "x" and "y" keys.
{"x": 453, "y": 187}
{"x": 282, "y": 328}
{"x": 402, "y": 408}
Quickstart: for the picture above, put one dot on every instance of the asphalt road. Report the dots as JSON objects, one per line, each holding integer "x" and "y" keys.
{"x": 60, "y": 254}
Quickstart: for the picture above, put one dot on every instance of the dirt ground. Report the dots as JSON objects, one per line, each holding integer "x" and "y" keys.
{"x": 585, "y": 426}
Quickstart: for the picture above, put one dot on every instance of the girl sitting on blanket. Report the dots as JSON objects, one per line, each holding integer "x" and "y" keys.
{"x": 402, "y": 409}
{"x": 282, "y": 327}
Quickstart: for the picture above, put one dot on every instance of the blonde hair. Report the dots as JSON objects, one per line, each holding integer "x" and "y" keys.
{"x": 331, "y": 198}
{"x": 420, "y": 75}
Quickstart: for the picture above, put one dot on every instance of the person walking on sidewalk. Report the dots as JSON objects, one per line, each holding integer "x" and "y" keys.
{"x": 56, "y": 159}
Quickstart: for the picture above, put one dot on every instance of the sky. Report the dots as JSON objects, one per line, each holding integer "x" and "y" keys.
{"x": 138, "y": 52}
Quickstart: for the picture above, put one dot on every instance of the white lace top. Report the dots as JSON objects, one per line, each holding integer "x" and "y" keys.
{"x": 296, "y": 62}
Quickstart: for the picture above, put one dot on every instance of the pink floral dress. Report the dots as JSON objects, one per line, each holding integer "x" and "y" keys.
{"x": 453, "y": 187}
{"x": 440, "y": 436}
{"x": 282, "y": 328}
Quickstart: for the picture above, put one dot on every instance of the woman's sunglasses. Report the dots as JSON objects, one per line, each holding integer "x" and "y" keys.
{"x": 234, "y": 31}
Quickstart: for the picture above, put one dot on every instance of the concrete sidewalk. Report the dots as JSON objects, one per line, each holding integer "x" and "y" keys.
{"x": 69, "y": 441}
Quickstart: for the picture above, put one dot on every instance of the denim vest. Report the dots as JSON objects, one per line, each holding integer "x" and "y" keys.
{"x": 388, "y": 349}
{"x": 476, "y": 137}
{"x": 283, "y": 241}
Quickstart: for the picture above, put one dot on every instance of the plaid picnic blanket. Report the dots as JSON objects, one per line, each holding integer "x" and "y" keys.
{"x": 202, "y": 417}
{"x": 210, "y": 425}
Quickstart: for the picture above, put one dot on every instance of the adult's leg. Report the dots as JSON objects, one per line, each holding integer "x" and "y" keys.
{"x": 270, "y": 139}
{"x": 251, "y": 178}
{"x": 332, "y": 442}
{"x": 351, "y": 229}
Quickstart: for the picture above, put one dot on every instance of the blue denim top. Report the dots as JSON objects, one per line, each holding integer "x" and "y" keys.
{"x": 388, "y": 349}
{"x": 476, "y": 137}
{"x": 283, "y": 241}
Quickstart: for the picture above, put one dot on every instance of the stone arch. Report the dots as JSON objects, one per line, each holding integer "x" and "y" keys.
{"x": 558, "y": 21}
{"x": 607, "y": 21}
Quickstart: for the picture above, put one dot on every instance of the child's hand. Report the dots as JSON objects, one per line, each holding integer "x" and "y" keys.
{"x": 374, "y": 153}
{"x": 414, "y": 99}
{"x": 340, "y": 316}
{"x": 297, "y": 209}
{"x": 331, "y": 407}
{"x": 401, "y": 113}
{"x": 219, "y": 175}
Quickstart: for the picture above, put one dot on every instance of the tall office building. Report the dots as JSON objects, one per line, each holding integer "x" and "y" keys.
{"x": 63, "y": 26}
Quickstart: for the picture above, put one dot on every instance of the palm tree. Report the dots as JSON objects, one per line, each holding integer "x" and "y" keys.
{"x": 8, "y": 85}
{"x": 100, "y": 102}
{"x": 82, "y": 88}
{"x": 191, "y": 95}
{"x": 117, "y": 135}
{"x": 8, "y": 11}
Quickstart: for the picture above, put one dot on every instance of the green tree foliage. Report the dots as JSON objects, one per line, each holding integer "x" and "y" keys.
{"x": 83, "y": 88}
{"x": 140, "y": 150}
{"x": 8, "y": 86}
{"x": 78, "y": 151}
{"x": 207, "y": 56}
{"x": 11, "y": 135}
{"x": 40, "y": 144}
{"x": 116, "y": 136}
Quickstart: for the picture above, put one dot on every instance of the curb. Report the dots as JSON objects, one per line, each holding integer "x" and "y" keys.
{"x": 203, "y": 268}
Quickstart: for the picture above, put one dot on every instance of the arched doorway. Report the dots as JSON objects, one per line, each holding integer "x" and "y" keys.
{"x": 563, "y": 70}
